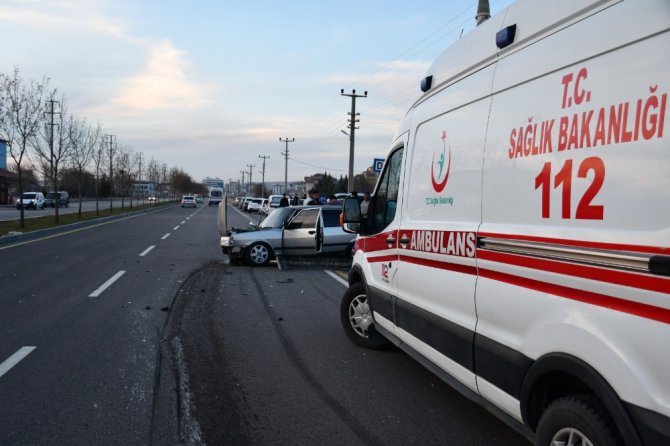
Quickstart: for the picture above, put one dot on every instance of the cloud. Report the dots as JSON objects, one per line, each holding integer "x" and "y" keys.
{"x": 60, "y": 15}
{"x": 162, "y": 84}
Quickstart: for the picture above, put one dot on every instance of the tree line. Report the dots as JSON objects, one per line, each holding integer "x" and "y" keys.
{"x": 44, "y": 138}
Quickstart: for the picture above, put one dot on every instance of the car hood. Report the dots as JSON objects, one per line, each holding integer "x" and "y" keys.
{"x": 244, "y": 235}
{"x": 236, "y": 231}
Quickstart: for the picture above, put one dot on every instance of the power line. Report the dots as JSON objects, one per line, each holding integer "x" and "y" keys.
{"x": 317, "y": 167}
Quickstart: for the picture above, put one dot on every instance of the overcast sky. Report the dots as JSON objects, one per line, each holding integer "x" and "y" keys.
{"x": 208, "y": 86}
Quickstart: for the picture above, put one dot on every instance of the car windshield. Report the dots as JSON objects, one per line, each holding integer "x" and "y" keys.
{"x": 276, "y": 218}
{"x": 52, "y": 195}
{"x": 29, "y": 195}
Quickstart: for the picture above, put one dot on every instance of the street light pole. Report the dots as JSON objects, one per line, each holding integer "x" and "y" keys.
{"x": 352, "y": 127}
{"x": 285, "y": 155}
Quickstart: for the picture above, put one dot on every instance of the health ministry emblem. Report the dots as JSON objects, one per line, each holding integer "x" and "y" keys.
{"x": 440, "y": 181}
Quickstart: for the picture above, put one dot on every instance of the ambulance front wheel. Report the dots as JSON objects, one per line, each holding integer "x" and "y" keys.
{"x": 357, "y": 320}
{"x": 577, "y": 420}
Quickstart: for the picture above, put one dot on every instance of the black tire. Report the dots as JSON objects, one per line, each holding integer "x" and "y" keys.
{"x": 357, "y": 320}
{"x": 573, "y": 420}
{"x": 258, "y": 254}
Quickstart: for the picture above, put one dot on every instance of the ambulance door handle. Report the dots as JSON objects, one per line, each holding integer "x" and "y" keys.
{"x": 404, "y": 240}
{"x": 390, "y": 240}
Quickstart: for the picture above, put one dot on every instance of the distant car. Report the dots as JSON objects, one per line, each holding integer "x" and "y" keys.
{"x": 188, "y": 201}
{"x": 198, "y": 198}
{"x": 257, "y": 245}
{"x": 245, "y": 203}
{"x": 62, "y": 198}
{"x": 152, "y": 199}
{"x": 31, "y": 200}
{"x": 255, "y": 204}
{"x": 265, "y": 207}
{"x": 275, "y": 200}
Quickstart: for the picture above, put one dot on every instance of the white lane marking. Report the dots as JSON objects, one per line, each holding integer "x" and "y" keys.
{"x": 183, "y": 222}
{"x": 175, "y": 228}
{"x": 15, "y": 359}
{"x": 336, "y": 277}
{"x": 165, "y": 236}
{"x": 107, "y": 284}
{"x": 146, "y": 251}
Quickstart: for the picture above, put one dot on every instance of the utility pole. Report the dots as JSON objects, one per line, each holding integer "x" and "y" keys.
{"x": 251, "y": 171}
{"x": 285, "y": 155}
{"x": 244, "y": 192}
{"x": 53, "y": 180}
{"x": 110, "y": 140}
{"x": 352, "y": 128}
{"x": 263, "y": 186}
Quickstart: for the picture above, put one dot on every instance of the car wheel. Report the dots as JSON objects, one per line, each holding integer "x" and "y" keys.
{"x": 357, "y": 320}
{"x": 258, "y": 254}
{"x": 577, "y": 420}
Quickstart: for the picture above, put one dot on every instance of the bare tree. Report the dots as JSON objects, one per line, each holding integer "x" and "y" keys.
{"x": 154, "y": 174}
{"x": 53, "y": 144}
{"x": 110, "y": 156}
{"x": 123, "y": 173}
{"x": 83, "y": 139}
{"x": 98, "y": 157}
{"x": 164, "y": 179}
{"x": 21, "y": 118}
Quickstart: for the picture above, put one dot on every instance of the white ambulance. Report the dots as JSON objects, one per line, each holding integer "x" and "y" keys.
{"x": 518, "y": 240}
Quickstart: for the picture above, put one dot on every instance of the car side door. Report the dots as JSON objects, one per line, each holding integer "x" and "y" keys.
{"x": 303, "y": 233}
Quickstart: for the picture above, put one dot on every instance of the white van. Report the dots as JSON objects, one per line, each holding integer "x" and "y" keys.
{"x": 518, "y": 240}
{"x": 215, "y": 196}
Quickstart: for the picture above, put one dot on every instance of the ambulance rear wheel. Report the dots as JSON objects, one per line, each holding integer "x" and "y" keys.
{"x": 357, "y": 320}
{"x": 577, "y": 420}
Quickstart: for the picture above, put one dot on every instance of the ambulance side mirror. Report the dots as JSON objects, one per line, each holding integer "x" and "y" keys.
{"x": 351, "y": 215}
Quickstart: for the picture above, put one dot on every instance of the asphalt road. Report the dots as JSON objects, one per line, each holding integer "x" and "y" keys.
{"x": 182, "y": 349}
{"x": 91, "y": 378}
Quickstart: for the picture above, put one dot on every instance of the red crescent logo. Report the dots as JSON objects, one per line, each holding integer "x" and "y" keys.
{"x": 439, "y": 187}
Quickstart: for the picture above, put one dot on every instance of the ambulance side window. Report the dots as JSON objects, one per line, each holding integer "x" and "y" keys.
{"x": 383, "y": 204}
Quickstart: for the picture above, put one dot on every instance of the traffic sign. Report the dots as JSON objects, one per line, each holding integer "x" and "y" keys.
{"x": 377, "y": 164}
